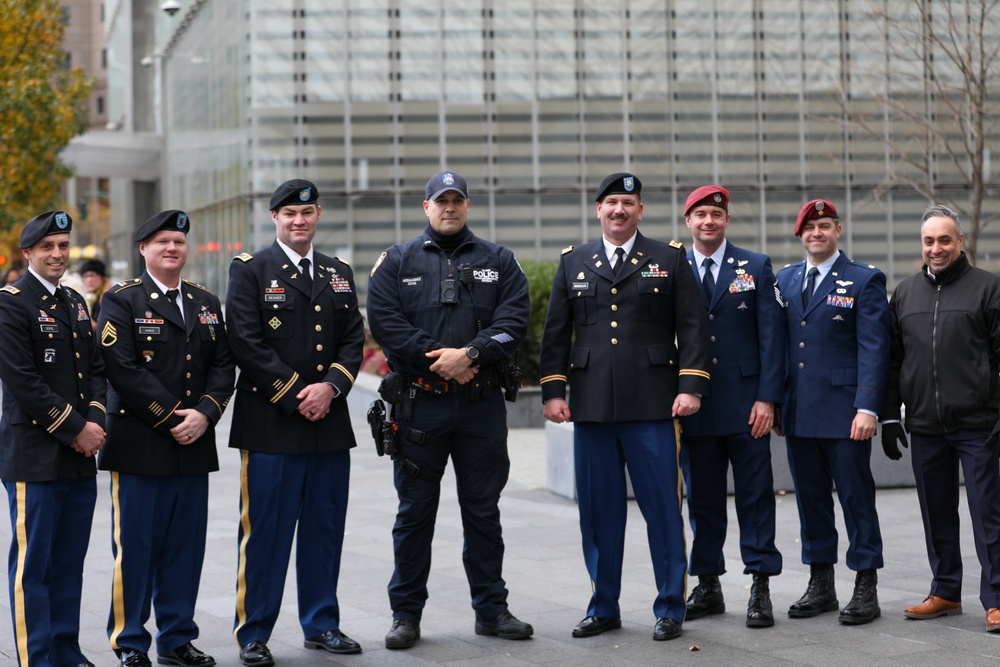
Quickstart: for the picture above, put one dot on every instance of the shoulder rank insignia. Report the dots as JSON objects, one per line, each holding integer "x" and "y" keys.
{"x": 10, "y": 289}
{"x": 567, "y": 249}
{"x": 342, "y": 260}
{"x": 244, "y": 257}
{"x": 196, "y": 285}
{"x": 676, "y": 244}
{"x": 378, "y": 263}
{"x": 125, "y": 284}
{"x": 109, "y": 335}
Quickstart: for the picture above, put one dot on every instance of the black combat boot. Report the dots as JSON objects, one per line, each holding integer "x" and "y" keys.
{"x": 706, "y": 598}
{"x": 820, "y": 595}
{"x": 863, "y": 607}
{"x": 759, "y": 612}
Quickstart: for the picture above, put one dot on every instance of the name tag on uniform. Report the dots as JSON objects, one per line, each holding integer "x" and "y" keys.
{"x": 580, "y": 286}
{"x": 149, "y": 331}
{"x": 274, "y": 298}
{"x": 413, "y": 281}
{"x": 49, "y": 328}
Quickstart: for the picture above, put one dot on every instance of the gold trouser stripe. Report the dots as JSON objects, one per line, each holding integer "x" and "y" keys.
{"x": 344, "y": 371}
{"x": 284, "y": 390}
{"x": 680, "y": 499}
{"x": 59, "y": 420}
{"x": 241, "y": 570}
{"x": 21, "y": 535}
{"x": 214, "y": 401}
{"x": 168, "y": 414}
{"x": 117, "y": 588}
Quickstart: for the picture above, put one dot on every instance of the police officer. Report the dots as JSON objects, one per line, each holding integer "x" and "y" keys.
{"x": 734, "y": 423}
{"x": 171, "y": 376}
{"x": 51, "y": 428}
{"x": 627, "y": 299}
{"x": 837, "y": 317}
{"x": 297, "y": 336}
{"x": 448, "y": 308}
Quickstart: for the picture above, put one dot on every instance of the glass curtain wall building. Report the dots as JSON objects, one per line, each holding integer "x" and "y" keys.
{"x": 534, "y": 102}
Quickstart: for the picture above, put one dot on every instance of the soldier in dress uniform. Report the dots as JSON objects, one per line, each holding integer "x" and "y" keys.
{"x": 837, "y": 317}
{"x": 735, "y": 420}
{"x": 171, "y": 376}
{"x": 51, "y": 429}
{"x": 626, "y": 298}
{"x": 297, "y": 336}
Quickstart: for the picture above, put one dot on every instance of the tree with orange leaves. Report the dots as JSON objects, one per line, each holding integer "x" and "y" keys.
{"x": 42, "y": 107}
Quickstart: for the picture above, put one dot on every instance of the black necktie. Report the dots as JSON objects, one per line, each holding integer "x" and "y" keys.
{"x": 174, "y": 297}
{"x": 708, "y": 281}
{"x": 810, "y": 287}
{"x": 60, "y": 295}
{"x": 619, "y": 260}
{"x": 306, "y": 278}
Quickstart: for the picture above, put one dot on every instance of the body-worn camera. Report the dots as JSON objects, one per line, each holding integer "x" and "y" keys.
{"x": 449, "y": 291}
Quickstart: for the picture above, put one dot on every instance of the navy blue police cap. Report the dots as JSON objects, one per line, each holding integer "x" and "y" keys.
{"x": 45, "y": 224}
{"x": 442, "y": 182}
{"x": 294, "y": 193}
{"x": 174, "y": 221}
{"x": 619, "y": 184}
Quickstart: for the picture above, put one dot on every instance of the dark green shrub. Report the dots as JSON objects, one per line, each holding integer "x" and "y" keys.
{"x": 540, "y": 275}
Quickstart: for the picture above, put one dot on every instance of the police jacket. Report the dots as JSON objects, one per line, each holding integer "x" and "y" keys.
{"x": 641, "y": 336}
{"x": 157, "y": 363}
{"x": 945, "y": 350}
{"x": 285, "y": 336}
{"x": 747, "y": 344}
{"x": 408, "y": 319}
{"x": 838, "y": 348}
{"x": 53, "y": 382}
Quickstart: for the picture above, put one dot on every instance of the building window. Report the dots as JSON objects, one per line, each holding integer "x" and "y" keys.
{"x": 104, "y": 57}
{"x": 65, "y": 15}
{"x": 100, "y": 105}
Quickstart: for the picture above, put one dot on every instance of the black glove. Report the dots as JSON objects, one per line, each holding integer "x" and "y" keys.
{"x": 893, "y": 433}
{"x": 994, "y": 435}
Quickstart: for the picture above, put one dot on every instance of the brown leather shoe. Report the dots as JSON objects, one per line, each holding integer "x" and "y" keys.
{"x": 993, "y": 620}
{"x": 933, "y": 606}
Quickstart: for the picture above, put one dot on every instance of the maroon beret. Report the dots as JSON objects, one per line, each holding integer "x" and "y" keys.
{"x": 712, "y": 195}
{"x": 814, "y": 210}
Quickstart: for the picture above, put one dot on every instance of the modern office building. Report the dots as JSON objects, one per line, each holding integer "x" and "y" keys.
{"x": 533, "y": 101}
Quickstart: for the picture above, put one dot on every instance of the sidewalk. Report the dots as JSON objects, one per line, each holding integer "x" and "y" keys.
{"x": 550, "y": 589}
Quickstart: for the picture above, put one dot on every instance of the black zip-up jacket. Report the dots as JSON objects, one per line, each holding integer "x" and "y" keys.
{"x": 945, "y": 350}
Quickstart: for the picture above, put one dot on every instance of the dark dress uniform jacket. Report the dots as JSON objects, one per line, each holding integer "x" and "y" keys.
{"x": 157, "y": 363}
{"x": 53, "y": 383}
{"x": 838, "y": 349}
{"x": 747, "y": 344}
{"x": 285, "y": 337}
{"x": 625, "y": 364}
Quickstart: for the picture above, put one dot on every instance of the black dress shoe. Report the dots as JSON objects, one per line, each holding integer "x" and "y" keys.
{"x": 186, "y": 656}
{"x": 594, "y": 625}
{"x": 333, "y": 641}
{"x": 256, "y": 654}
{"x": 760, "y": 614}
{"x": 706, "y": 599}
{"x": 505, "y": 626}
{"x": 863, "y": 607}
{"x": 403, "y": 634}
{"x": 130, "y": 658}
{"x": 666, "y": 628}
{"x": 820, "y": 595}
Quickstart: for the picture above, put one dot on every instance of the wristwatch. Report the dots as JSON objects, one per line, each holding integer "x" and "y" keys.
{"x": 472, "y": 352}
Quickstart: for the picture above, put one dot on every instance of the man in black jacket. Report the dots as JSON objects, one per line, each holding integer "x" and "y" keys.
{"x": 944, "y": 367}
{"x": 296, "y": 334}
{"x": 171, "y": 376}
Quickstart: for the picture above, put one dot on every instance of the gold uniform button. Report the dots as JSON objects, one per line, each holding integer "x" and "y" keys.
{"x": 614, "y": 341}
{"x": 253, "y": 388}
{"x": 79, "y": 375}
{"x": 671, "y": 362}
{"x": 614, "y": 325}
{"x": 34, "y": 423}
{"x": 319, "y": 327}
{"x": 81, "y": 396}
{"x": 614, "y": 308}
{"x": 77, "y": 355}
{"x": 656, "y": 290}
{"x": 319, "y": 367}
{"x": 275, "y": 306}
{"x": 318, "y": 307}
{"x": 188, "y": 376}
{"x": 50, "y": 335}
{"x": 187, "y": 393}
{"x": 122, "y": 411}
{"x": 319, "y": 348}
{"x": 74, "y": 335}
{"x": 346, "y": 306}
{"x": 188, "y": 357}
{"x": 149, "y": 338}
{"x": 614, "y": 290}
